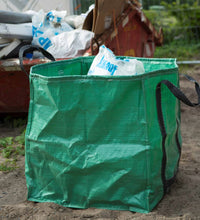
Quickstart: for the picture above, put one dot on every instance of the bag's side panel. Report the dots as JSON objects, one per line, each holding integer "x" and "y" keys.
{"x": 171, "y": 115}
{"x": 87, "y": 143}
{"x": 28, "y": 170}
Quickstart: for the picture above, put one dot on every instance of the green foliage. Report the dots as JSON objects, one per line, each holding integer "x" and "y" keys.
{"x": 85, "y": 4}
{"x": 180, "y": 22}
{"x": 15, "y": 122}
{"x": 8, "y": 165}
{"x": 146, "y": 5}
{"x": 8, "y": 151}
{"x": 21, "y": 142}
{"x": 161, "y": 18}
{"x": 11, "y": 148}
{"x": 181, "y": 52}
{"x": 6, "y": 141}
{"x": 18, "y": 122}
{"x": 12, "y": 151}
{"x": 20, "y": 150}
{"x": 187, "y": 14}
{"x": 21, "y": 138}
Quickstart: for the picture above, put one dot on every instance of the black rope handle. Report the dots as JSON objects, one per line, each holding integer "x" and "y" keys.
{"x": 33, "y": 48}
{"x": 178, "y": 93}
{"x": 182, "y": 97}
{"x": 197, "y": 87}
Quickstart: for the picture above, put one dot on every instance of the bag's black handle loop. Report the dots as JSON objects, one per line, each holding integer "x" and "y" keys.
{"x": 178, "y": 93}
{"x": 181, "y": 96}
{"x": 33, "y": 48}
{"x": 197, "y": 87}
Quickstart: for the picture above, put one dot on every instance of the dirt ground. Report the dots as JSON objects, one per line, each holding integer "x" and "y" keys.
{"x": 181, "y": 202}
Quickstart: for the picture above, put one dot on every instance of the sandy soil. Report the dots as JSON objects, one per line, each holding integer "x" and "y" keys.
{"x": 182, "y": 201}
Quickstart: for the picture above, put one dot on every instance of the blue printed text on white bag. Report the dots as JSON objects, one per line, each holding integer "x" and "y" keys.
{"x": 106, "y": 64}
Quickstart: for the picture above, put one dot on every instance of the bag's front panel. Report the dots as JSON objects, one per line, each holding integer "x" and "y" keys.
{"x": 87, "y": 144}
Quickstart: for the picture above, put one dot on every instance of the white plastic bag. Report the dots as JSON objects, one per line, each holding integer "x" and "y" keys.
{"x": 70, "y": 44}
{"x": 105, "y": 63}
{"x": 76, "y": 21}
{"x": 45, "y": 26}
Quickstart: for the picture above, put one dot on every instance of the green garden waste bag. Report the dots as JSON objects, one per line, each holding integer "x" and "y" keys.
{"x": 108, "y": 142}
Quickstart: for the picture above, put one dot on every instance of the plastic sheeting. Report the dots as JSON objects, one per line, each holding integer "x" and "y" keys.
{"x": 95, "y": 141}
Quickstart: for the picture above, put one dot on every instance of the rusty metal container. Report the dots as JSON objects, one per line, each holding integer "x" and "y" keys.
{"x": 131, "y": 34}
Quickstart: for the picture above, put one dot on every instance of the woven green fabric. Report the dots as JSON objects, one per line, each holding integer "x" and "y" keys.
{"x": 94, "y": 141}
